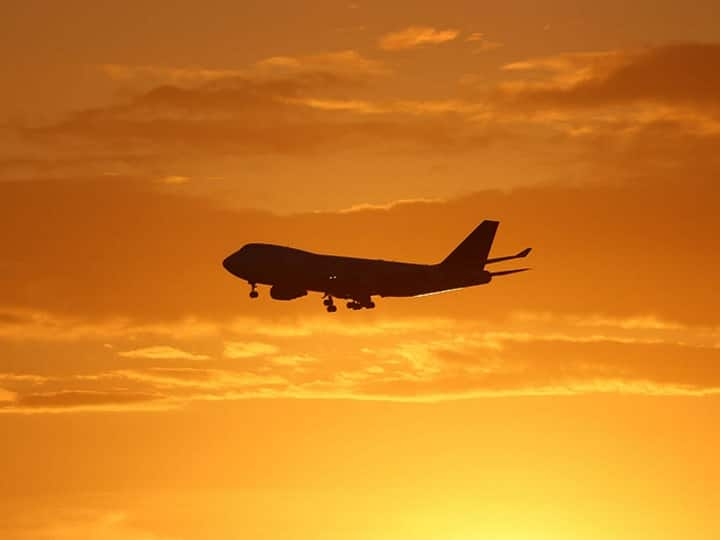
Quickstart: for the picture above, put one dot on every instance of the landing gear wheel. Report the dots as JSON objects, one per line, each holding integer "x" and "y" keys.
{"x": 253, "y": 291}
{"x": 370, "y": 305}
{"x": 328, "y": 303}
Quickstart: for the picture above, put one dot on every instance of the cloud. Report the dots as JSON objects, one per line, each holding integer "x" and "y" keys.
{"x": 636, "y": 94}
{"x": 250, "y": 112}
{"x": 398, "y": 107}
{"x": 218, "y": 380}
{"x": 7, "y": 395}
{"x": 423, "y": 360}
{"x": 23, "y": 378}
{"x": 174, "y": 180}
{"x": 162, "y": 352}
{"x": 416, "y": 36}
{"x": 364, "y": 207}
{"x": 36, "y": 325}
{"x": 291, "y": 114}
{"x": 292, "y": 360}
{"x": 481, "y": 43}
{"x": 237, "y": 349}
{"x": 347, "y": 62}
{"x": 173, "y": 75}
{"x": 678, "y": 74}
{"x": 295, "y": 106}
{"x": 347, "y": 105}
{"x": 457, "y": 371}
{"x": 85, "y": 400}
{"x": 646, "y": 322}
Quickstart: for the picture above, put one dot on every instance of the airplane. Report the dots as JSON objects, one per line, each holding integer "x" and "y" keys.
{"x": 291, "y": 272}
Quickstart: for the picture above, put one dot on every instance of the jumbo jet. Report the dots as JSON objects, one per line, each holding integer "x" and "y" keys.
{"x": 291, "y": 272}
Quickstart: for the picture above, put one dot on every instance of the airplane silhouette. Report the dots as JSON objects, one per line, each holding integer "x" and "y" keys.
{"x": 291, "y": 272}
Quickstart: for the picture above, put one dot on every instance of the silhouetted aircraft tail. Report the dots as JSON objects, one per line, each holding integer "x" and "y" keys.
{"x": 474, "y": 250}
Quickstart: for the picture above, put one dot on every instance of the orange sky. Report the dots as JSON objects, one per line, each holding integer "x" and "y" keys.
{"x": 143, "y": 396}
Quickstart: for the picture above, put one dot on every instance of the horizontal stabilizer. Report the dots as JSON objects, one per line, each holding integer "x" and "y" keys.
{"x": 524, "y": 253}
{"x": 506, "y": 272}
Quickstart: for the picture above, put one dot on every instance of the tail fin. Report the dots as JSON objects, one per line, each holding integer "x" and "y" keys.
{"x": 474, "y": 250}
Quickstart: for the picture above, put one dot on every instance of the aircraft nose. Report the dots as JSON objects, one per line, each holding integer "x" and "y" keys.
{"x": 230, "y": 263}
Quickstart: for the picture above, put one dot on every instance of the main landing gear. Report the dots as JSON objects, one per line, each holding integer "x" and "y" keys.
{"x": 355, "y": 305}
{"x": 253, "y": 291}
{"x": 329, "y": 304}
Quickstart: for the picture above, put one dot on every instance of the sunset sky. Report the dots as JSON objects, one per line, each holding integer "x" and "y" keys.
{"x": 144, "y": 396}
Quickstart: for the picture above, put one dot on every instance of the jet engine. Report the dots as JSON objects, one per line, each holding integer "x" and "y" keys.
{"x": 279, "y": 292}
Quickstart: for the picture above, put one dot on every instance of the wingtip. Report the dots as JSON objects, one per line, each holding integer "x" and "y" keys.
{"x": 525, "y": 252}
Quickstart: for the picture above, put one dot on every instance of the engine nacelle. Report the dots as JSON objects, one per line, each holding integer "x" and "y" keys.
{"x": 278, "y": 292}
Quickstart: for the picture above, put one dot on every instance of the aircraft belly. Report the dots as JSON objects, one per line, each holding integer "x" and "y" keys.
{"x": 408, "y": 289}
{"x": 358, "y": 279}
{"x": 408, "y": 282}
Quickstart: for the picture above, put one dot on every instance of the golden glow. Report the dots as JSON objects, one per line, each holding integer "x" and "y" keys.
{"x": 144, "y": 396}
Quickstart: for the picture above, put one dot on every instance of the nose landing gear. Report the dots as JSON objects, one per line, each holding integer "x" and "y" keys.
{"x": 253, "y": 291}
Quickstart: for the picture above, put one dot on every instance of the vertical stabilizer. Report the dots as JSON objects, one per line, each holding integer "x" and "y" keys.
{"x": 474, "y": 250}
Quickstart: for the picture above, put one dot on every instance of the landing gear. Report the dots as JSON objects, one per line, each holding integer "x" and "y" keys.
{"x": 352, "y": 304}
{"x": 328, "y": 303}
{"x": 355, "y": 304}
{"x": 253, "y": 291}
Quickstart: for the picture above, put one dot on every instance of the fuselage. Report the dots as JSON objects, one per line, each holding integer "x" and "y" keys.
{"x": 346, "y": 277}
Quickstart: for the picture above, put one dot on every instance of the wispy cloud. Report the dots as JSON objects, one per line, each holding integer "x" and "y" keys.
{"x": 65, "y": 401}
{"x": 422, "y": 360}
{"x": 416, "y": 36}
{"x": 200, "y": 379}
{"x": 174, "y": 180}
{"x": 677, "y": 74}
{"x": 365, "y": 207}
{"x": 481, "y": 43}
{"x": 162, "y": 352}
{"x": 346, "y": 62}
{"x": 248, "y": 349}
{"x": 174, "y": 75}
